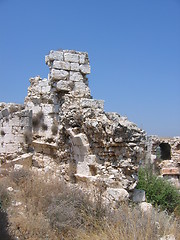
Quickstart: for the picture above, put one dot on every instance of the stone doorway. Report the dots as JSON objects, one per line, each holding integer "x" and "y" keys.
{"x": 165, "y": 150}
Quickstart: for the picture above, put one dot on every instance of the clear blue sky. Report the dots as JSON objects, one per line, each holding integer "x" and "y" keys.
{"x": 133, "y": 46}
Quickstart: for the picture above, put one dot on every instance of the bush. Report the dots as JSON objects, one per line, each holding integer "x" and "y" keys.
{"x": 36, "y": 120}
{"x": 159, "y": 191}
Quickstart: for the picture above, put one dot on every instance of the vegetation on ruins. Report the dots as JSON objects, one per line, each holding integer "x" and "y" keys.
{"x": 36, "y": 119}
{"x": 159, "y": 191}
{"x": 50, "y": 209}
{"x": 2, "y": 133}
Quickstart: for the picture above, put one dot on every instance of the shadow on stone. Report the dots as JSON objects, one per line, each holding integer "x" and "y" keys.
{"x": 4, "y": 235}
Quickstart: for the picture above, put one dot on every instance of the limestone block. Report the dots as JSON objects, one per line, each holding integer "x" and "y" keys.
{"x": 7, "y": 137}
{"x": 75, "y": 67}
{"x": 80, "y": 139}
{"x": 36, "y": 109}
{"x": 47, "y": 109}
{"x": 91, "y": 159}
{"x": 55, "y": 55}
{"x": 71, "y": 57}
{"x": 145, "y": 207}
{"x": 63, "y": 85}
{"x": 59, "y": 74}
{"x": 5, "y": 112}
{"x": 88, "y": 179}
{"x": 18, "y": 166}
{"x": 92, "y": 103}
{"x": 11, "y": 148}
{"x": 44, "y": 83}
{"x": 45, "y": 89}
{"x": 37, "y": 100}
{"x": 25, "y": 160}
{"x": 81, "y": 89}
{"x": 47, "y": 169}
{"x": 61, "y": 65}
{"x": 82, "y": 168}
{"x": 83, "y": 58}
{"x": 76, "y": 76}
{"x": 85, "y": 68}
{"x": 138, "y": 195}
{"x": 42, "y": 144}
{"x": 168, "y": 237}
{"x": 118, "y": 194}
{"x": 80, "y": 151}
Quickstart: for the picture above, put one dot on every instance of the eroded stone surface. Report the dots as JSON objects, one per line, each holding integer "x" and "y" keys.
{"x": 67, "y": 132}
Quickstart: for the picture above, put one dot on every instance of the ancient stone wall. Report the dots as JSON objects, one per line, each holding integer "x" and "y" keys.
{"x": 164, "y": 155}
{"x": 72, "y": 136}
{"x": 15, "y": 127}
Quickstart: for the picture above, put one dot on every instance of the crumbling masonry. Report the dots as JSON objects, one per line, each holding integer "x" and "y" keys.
{"x": 60, "y": 129}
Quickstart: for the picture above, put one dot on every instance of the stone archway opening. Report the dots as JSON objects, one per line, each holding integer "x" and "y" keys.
{"x": 165, "y": 149}
{"x": 178, "y": 147}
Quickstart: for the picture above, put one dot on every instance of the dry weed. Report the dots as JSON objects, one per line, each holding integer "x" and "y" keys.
{"x": 53, "y": 210}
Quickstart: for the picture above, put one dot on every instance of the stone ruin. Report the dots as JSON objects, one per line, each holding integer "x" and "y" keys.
{"x": 164, "y": 156}
{"x": 60, "y": 129}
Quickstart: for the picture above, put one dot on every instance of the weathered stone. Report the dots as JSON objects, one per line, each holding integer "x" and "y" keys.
{"x": 59, "y": 74}
{"x": 63, "y": 85}
{"x": 68, "y": 132}
{"x": 92, "y": 103}
{"x": 85, "y": 68}
{"x": 18, "y": 167}
{"x": 168, "y": 237}
{"x": 83, "y": 58}
{"x": 75, "y": 67}
{"x": 5, "y": 112}
{"x": 61, "y": 65}
{"x": 75, "y": 76}
{"x": 81, "y": 89}
{"x": 139, "y": 196}
{"x": 55, "y": 55}
{"x": 70, "y": 57}
{"x": 1, "y": 116}
{"x": 118, "y": 194}
{"x": 146, "y": 207}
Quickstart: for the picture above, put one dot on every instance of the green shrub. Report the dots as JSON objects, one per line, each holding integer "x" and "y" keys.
{"x": 159, "y": 191}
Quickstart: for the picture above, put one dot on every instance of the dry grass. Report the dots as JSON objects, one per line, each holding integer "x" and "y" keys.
{"x": 52, "y": 210}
